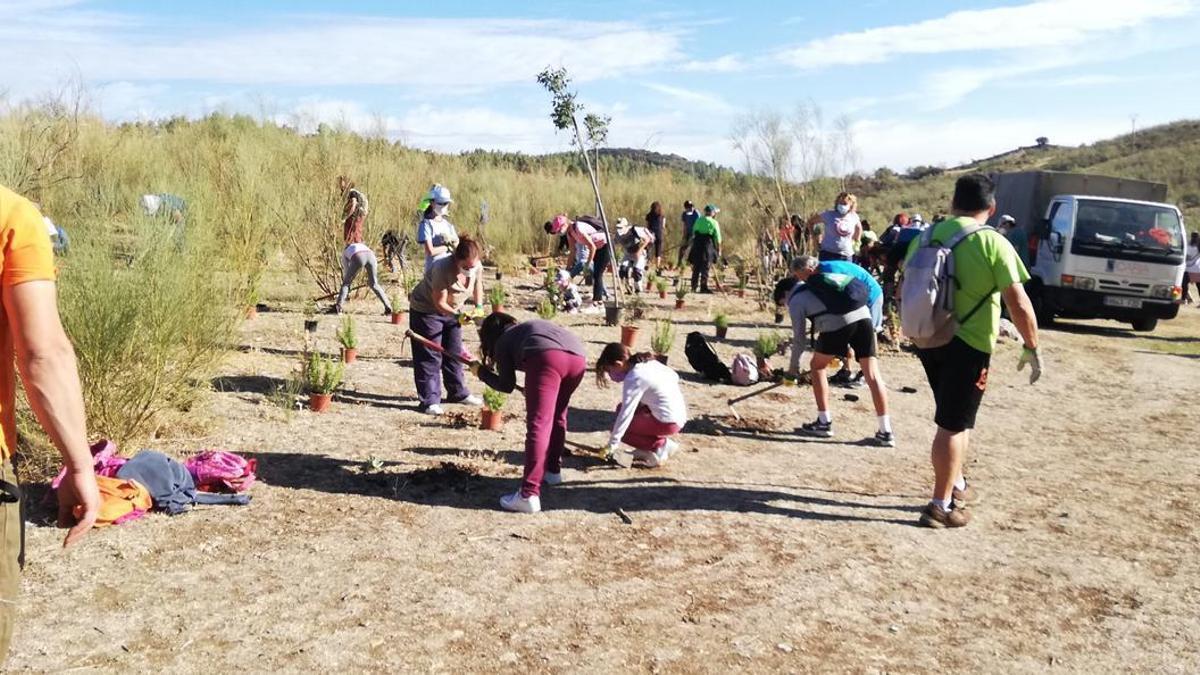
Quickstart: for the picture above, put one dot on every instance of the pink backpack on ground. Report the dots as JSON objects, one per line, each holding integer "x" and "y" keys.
{"x": 104, "y": 460}
{"x": 745, "y": 371}
{"x": 221, "y": 471}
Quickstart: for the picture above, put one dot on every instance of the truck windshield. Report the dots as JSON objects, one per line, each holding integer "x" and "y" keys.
{"x": 1125, "y": 226}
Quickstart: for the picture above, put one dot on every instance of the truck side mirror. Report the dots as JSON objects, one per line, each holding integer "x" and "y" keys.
{"x": 1056, "y": 242}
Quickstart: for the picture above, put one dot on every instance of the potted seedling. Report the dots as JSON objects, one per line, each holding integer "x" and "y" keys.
{"x": 662, "y": 339}
{"x": 546, "y": 309}
{"x": 348, "y": 336}
{"x": 397, "y": 313}
{"x": 497, "y": 295}
{"x": 661, "y": 284}
{"x": 721, "y": 322}
{"x": 310, "y": 316}
{"x": 322, "y": 375}
{"x": 742, "y": 282}
{"x": 680, "y": 294}
{"x": 252, "y": 303}
{"x": 491, "y": 418}
{"x": 766, "y": 345}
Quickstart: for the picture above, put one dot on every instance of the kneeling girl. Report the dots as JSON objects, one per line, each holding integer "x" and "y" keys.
{"x": 652, "y": 408}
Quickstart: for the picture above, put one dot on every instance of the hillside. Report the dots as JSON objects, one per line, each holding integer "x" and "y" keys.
{"x": 1168, "y": 153}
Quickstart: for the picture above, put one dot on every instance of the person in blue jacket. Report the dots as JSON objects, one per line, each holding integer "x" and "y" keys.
{"x": 874, "y": 303}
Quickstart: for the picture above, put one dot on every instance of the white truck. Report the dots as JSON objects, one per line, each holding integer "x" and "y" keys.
{"x": 1099, "y": 247}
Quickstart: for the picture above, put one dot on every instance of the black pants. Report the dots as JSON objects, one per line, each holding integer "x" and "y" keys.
{"x": 657, "y": 231}
{"x": 599, "y": 266}
{"x": 700, "y": 274}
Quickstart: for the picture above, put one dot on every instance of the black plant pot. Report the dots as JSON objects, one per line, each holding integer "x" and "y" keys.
{"x": 612, "y": 315}
{"x": 310, "y": 325}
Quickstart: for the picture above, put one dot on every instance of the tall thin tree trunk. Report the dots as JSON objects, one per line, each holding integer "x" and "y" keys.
{"x": 600, "y": 207}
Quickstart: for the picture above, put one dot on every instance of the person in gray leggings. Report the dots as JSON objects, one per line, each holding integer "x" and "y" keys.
{"x": 357, "y": 257}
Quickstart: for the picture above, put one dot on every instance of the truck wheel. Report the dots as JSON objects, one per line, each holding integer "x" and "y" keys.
{"x": 1145, "y": 323}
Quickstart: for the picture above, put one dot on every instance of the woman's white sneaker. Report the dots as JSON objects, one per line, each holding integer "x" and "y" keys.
{"x": 515, "y": 502}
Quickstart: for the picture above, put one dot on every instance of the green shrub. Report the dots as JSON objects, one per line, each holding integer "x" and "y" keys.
{"x": 721, "y": 320}
{"x": 663, "y": 337}
{"x": 497, "y": 294}
{"x": 147, "y": 327}
{"x": 347, "y": 335}
{"x": 323, "y": 374}
{"x": 767, "y": 345}
{"x": 546, "y": 309}
{"x": 493, "y": 400}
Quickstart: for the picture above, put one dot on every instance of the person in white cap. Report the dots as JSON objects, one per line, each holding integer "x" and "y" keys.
{"x": 1016, "y": 235}
{"x": 435, "y": 232}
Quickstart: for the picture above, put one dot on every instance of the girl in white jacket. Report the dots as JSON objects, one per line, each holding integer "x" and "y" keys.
{"x": 652, "y": 408}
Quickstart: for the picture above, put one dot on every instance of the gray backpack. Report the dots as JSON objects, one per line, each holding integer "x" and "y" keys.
{"x": 927, "y": 314}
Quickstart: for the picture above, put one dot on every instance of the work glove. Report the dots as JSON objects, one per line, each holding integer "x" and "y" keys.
{"x": 1032, "y": 358}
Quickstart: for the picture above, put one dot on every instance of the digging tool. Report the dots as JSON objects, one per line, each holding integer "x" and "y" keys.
{"x": 430, "y": 344}
{"x": 610, "y": 458}
{"x": 785, "y": 382}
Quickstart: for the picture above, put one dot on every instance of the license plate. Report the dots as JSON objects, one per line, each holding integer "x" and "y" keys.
{"x": 1131, "y": 303}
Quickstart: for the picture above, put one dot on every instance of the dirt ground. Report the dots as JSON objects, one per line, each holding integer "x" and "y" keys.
{"x": 374, "y": 541}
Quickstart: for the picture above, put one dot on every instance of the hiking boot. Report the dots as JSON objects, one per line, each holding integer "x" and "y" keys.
{"x": 647, "y": 458}
{"x": 515, "y": 502}
{"x": 551, "y": 478}
{"x": 841, "y": 377}
{"x": 469, "y": 399}
{"x": 936, "y": 517}
{"x": 968, "y": 496}
{"x": 434, "y": 410}
{"x": 858, "y": 381}
{"x": 818, "y": 428}
{"x": 885, "y": 438}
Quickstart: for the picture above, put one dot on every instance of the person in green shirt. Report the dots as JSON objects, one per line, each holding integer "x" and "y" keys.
{"x": 986, "y": 268}
{"x": 706, "y": 247}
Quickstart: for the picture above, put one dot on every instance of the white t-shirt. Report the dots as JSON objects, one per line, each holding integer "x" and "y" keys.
{"x": 655, "y": 386}
{"x": 437, "y": 231}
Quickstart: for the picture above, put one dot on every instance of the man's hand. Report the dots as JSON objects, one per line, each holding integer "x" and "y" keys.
{"x": 78, "y": 504}
{"x": 1032, "y": 358}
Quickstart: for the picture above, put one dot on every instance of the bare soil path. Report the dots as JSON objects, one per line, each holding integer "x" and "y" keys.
{"x": 754, "y": 549}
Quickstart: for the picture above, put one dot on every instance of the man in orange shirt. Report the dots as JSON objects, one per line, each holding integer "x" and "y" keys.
{"x": 32, "y": 337}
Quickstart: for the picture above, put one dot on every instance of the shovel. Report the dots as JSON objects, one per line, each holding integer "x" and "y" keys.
{"x": 430, "y": 344}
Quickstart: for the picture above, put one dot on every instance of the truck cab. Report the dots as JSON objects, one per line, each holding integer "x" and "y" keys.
{"x": 1097, "y": 257}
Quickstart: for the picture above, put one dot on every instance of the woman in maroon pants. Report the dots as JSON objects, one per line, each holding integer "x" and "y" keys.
{"x": 553, "y": 361}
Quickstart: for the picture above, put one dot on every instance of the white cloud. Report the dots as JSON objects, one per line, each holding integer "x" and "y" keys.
{"x": 729, "y": 63}
{"x": 951, "y": 142}
{"x": 322, "y": 51}
{"x": 1052, "y": 24}
{"x": 692, "y": 97}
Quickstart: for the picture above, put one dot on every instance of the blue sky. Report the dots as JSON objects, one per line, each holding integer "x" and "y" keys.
{"x": 930, "y": 82}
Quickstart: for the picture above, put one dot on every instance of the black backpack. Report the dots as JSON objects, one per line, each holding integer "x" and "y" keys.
{"x": 838, "y": 296}
{"x": 704, "y": 359}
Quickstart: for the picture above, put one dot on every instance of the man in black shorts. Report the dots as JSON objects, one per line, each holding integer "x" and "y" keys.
{"x": 986, "y": 268}
{"x": 839, "y": 333}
